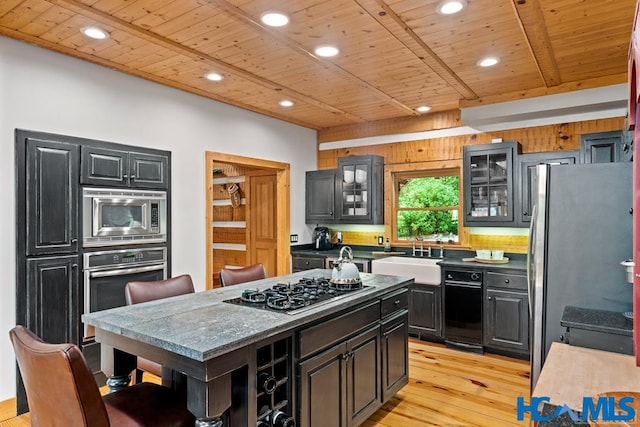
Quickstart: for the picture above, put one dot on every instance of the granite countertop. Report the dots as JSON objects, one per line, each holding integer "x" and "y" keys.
{"x": 201, "y": 326}
{"x": 611, "y": 322}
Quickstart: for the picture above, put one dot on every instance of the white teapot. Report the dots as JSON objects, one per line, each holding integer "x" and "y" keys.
{"x": 344, "y": 270}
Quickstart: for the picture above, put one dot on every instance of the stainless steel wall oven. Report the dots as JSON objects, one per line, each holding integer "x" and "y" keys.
{"x": 106, "y": 273}
{"x": 123, "y": 217}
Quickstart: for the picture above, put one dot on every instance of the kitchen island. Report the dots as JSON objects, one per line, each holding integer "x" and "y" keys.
{"x": 352, "y": 352}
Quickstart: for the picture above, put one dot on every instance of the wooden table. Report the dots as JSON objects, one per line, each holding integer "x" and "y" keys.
{"x": 571, "y": 372}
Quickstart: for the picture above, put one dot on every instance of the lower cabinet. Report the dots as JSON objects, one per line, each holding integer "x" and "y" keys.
{"x": 506, "y": 320}
{"x": 50, "y": 303}
{"x": 344, "y": 384}
{"x": 339, "y": 387}
{"x": 425, "y": 313}
{"x": 395, "y": 354}
{"x": 301, "y": 263}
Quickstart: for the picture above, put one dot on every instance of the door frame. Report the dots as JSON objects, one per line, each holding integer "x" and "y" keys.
{"x": 283, "y": 209}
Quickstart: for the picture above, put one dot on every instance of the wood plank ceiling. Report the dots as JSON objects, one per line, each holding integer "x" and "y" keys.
{"x": 395, "y": 55}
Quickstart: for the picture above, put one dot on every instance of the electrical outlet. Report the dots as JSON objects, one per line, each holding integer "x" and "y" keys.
{"x": 339, "y": 236}
{"x": 380, "y": 240}
{"x": 293, "y": 238}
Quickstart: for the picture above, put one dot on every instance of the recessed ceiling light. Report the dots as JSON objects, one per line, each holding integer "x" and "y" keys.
{"x": 214, "y": 77}
{"x": 286, "y": 103}
{"x": 274, "y": 19}
{"x": 423, "y": 109}
{"x": 449, "y": 7}
{"x": 326, "y": 51}
{"x": 95, "y": 33}
{"x": 488, "y": 62}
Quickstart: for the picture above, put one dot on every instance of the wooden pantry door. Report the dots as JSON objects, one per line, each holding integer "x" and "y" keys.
{"x": 262, "y": 220}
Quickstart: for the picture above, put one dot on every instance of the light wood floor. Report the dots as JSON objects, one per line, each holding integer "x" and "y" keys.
{"x": 446, "y": 388}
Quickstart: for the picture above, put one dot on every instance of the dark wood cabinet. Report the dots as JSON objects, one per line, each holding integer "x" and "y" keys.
{"x": 117, "y": 168}
{"x": 488, "y": 176}
{"x": 320, "y": 196}
{"x": 601, "y": 147}
{"x": 527, "y": 178}
{"x": 340, "y": 386}
{"x": 51, "y": 204}
{"x": 425, "y": 311}
{"x": 506, "y": 313}
{"x": 351, "y": 194}
{"x": 50, "y": 304}
{"x": 395, "y": 355}
{"x": 350, "y": 364}
{"x": 360, "y": 190}
{"x": 304, "y": 262}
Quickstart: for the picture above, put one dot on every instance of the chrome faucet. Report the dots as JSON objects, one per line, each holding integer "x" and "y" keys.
{"x": 441, "y": 251}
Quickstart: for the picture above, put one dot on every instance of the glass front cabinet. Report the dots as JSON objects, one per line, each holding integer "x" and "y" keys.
{"x": 360, "y": 189}
{"x": 488, "y": 183}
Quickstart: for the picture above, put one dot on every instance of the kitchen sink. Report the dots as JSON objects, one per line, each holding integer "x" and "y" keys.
{"x": 423, "y": 270}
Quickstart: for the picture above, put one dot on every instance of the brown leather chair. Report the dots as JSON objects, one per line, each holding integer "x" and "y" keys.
{"x": 137, "y": 292}
{"x": 233, "y": 276}
{"x": 61, "y": 391}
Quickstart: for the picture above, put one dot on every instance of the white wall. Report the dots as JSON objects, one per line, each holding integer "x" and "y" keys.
{"x": 45, "y": 91}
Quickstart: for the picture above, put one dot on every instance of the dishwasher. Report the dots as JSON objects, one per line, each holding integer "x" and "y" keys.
{"x": 463, "y": 309}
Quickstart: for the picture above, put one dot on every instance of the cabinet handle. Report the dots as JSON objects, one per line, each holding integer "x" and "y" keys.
{"x": 524, "y": 213}
{"x": 396, "y": 302}
{"x": 489, "y": 298}
{"x": 125, "y": 176}
{"x": 344, "y": 356}
{"x": 74, "y": 265}
{"x": 331, "y": 213}
{"x": 506, "y": 280}
{"x": 468, "y": 213}
{"x": 74, "y": 240}
{"x": 133, "y": 177}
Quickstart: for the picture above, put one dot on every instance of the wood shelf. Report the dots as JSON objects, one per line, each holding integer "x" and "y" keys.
{"x": 229, "y": 179}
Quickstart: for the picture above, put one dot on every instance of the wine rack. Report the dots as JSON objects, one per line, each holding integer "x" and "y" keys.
{"x": 274, "y": 381}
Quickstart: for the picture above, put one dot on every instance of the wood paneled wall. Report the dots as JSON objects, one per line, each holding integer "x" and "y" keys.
{"x": 565, "y": 136}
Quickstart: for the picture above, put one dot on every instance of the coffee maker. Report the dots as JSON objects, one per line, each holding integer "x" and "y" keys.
{"x": 322, "y": 239}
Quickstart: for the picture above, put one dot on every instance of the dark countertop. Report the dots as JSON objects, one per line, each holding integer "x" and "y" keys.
{"x": 201, "y": 326}
{"x": 453, "y": 257}
{"x": 513, "y": 264}
{"x": 611, "y": 322}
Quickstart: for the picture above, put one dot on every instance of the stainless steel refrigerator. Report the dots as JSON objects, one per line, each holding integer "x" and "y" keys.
{"x": 580, "y": 232}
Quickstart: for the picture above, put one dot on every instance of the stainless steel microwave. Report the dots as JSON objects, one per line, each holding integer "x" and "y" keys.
{"x": 123, "y": 217}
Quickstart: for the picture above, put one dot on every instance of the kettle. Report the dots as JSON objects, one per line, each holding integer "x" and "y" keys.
{"x": 322, "y": 239}
{"x": 345, "y": 271}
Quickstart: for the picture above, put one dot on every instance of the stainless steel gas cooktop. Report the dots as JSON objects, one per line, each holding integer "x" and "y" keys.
{"x": 292, "y": 298}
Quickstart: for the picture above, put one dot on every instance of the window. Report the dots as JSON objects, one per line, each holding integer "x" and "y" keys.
{"x": 427, "y": 205}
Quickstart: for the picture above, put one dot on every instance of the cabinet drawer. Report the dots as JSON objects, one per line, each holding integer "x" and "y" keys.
{"x": 394, "y": 301}
{"x": 509, "y": 281}
{"x": 306, "y": 263}
{"x": 338, "y": 328}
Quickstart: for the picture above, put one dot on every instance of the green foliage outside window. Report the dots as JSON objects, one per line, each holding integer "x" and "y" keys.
{"x": 428, "y": 207}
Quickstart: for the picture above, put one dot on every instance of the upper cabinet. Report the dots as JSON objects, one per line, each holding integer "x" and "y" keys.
{"x": 489, "y": 184}
{"x": 602, "y": 147}
{"x": 360, "y": 191}
{"x": 351, "y": 194}
{"x": 51, "y": 194}
{"x": 320, "y": 196}
{"x": 117, "y": 168}
{"x": 527, "y": 178}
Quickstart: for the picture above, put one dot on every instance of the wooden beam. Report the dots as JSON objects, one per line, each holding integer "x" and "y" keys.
{"x": 531, "y": 21}
{"x": 541, "y": 91}
{"x": 394, "y": 24}
{"x": 432, "y": 121}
